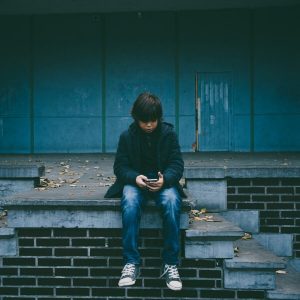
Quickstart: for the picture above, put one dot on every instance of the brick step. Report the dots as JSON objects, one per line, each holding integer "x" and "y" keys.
{"x": 211, "y": 239}
{"x": 17, "y": 178}
{"x": 287, "y": 286}
{"x": 281, "y": 244}
{"x": 208, "y": 184}
{"x": 248, "y": 220}
{"x": 8, "y": 242}
{"x": 53, "y": 209}
{"x": 253, "y": 268}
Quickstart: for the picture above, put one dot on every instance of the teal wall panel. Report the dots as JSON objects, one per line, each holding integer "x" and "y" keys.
{"x": 139, "y": 57}
{"x": 67, "y": 81}
{"x": 14, "y": 134}
{"x": 242, "y": 132}
{"x": 277, "y": 89}
{"x": 278, "y": 132}
{"x": 114, "y": 126}
{"x": 14, "y": 84}
{"x": 68, "y": 135}
{"x": 187, "y": 132}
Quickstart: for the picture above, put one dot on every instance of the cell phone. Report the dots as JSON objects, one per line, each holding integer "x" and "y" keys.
{"x": 149, "y": 180}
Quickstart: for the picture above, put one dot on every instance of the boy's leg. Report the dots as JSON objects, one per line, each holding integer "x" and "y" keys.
{"x": 131, "y": 205}
{"x": 169, "y": 201}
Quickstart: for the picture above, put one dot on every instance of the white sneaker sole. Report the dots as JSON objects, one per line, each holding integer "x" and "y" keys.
{"x": 174, "y": 288}
{"x": 126, "y": 284}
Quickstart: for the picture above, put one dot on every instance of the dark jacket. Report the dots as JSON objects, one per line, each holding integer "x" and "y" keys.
{"x": 127, "y": 165}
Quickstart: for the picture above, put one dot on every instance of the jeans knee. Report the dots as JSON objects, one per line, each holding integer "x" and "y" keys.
{"x": 130, "y": 199}
{"x": 171, "y": 199}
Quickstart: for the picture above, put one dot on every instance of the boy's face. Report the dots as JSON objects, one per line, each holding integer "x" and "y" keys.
{"x": 148, "y": 126}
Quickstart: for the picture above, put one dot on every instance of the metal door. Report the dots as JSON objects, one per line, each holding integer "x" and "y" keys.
{"x": 213, "y": 111}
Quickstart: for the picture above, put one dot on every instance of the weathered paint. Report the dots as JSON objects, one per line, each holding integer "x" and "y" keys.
{"x": 68, "y": 81}
{"x": 213, "y": 101}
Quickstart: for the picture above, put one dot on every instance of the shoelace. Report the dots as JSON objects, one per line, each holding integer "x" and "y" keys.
{"x": 128, "y": 270}
{"x": 173, "y": 272}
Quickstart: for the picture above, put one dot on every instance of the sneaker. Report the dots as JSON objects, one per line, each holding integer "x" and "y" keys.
{"x": 173, "y": 280}
{"x": 129, "y": 274}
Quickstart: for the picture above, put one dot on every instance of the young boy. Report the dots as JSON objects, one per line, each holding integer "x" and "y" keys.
{"x": 148, "y": 150}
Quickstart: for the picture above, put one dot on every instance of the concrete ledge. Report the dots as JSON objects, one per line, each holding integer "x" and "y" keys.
{"x": 79, "y": 213}
{"x": 279, "y": 243}
{"x": 220, "y": 228}
{"x": 253, "y": 268}
{"x": 248, "y": 220}
{"x": 15, "y": 179}
{"x": 209, "y": 194}
{"x": 243, "y": 172}
{"x": 6, "y": 233}
{"x": 14, "y": 172}
{"x": 252, "y": 255}
{"x": 211, "y": 239}
{"x": 13, "y": 186}
{"x": 8, "y": 242}
{"x": 235, "y": 279}
{"x": 287, "y": 286}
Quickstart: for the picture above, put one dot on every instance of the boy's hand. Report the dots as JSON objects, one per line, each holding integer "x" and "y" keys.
{"x": 156, "y": 186}
{"x": 140, "y": 181}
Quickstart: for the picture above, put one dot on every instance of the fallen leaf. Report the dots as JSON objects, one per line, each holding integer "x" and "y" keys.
{"x": 247, "y": 236}
{"x": 203, "y": 211}
{"x": 281, "y": 272}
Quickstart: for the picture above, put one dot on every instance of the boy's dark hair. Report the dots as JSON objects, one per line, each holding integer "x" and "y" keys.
{"x": 147, "y": 107}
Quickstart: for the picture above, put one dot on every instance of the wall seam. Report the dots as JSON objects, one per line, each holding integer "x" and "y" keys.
{"x": 31, "y": 84}
{"x": 103, "y": 89}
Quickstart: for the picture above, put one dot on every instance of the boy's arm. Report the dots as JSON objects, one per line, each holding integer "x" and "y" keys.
{"x": 122, "y": 168}
{"x": 174, "y": 171}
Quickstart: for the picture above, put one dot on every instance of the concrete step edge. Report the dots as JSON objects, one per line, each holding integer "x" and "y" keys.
{"x": 7, "y": 233}
{"x": 287, "y": 286}
{"x": 281, "y": 244}
{"x": 247, "y": 220}
{"x": 21, "y": 172}
{"x": 252, "y": 255}
{"x": 216, "y": 228}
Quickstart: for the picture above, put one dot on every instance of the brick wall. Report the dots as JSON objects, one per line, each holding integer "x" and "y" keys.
{"x": 86, "y": 264}
{"x": 278, "y": 201}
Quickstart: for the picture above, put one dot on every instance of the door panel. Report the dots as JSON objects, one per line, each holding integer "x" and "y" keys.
{"x": 213, "y": 111}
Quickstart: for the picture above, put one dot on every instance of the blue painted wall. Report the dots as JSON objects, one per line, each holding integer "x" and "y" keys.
{"x": 276, "y": 80}
{"x": 15, "y": 106}
{"x": 67, "y": 82}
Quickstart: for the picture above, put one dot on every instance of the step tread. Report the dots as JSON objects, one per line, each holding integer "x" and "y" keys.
{"x": 80, "y": 199}
{"x": 252, "y": 255}
{"x": 21, "y": 172}
{"x": 287, "y": 285}
{"x": 219, "y": 227}
{"x": 7, "y": 233}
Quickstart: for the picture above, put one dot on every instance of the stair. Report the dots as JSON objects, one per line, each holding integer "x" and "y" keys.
{"x": 280, "y": 244}
{"x": 253, "y": 268}
{"x": 287, "y": 286}
{"x": 33, "y": 210}
{"x": 212, "y": 239}
{"x": 17, "y": 179}
{"x": 8, "y": 242}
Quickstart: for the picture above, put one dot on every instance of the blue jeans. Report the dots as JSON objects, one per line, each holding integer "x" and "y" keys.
{"x": 169, "y": 202}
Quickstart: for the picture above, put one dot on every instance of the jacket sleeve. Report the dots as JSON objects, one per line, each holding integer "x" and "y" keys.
{"x": 122, "y": 167}
{"x": 174, "y": 170}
